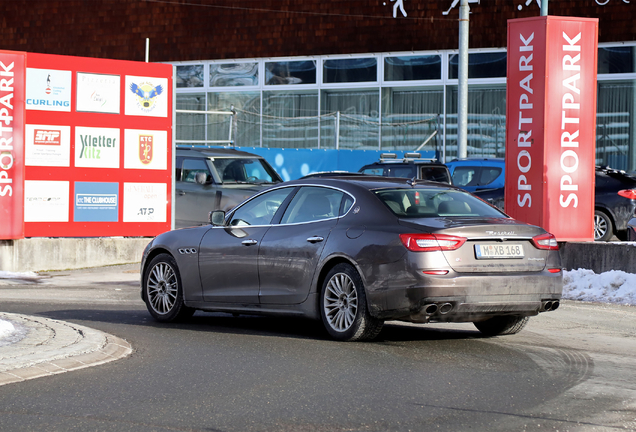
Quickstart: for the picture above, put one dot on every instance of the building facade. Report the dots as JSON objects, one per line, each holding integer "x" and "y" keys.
{"x": 336, "y": 74}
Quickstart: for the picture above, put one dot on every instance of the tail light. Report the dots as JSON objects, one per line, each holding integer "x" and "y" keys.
{"x": 545, "y": 241}
{"x": 628, "y": 193}
{"x": 431, "y": 242}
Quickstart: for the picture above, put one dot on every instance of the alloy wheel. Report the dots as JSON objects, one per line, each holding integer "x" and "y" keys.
{"x": 162, "y": 288}
{"x": 340, "y": 302}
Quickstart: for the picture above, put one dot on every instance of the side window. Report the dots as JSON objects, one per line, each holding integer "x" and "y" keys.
{"x": 346, "y": 205}
{"x": 193, "y": 166}
{"x": 313, "y": 204}
{"x": 373, "y": 171}
{"x": 260, "y": 210}
{"x": 403, "y": 171}
{"x": 465, "y": 176}
{"x": 488, "y": 175}
{"x": 436, "y": 174}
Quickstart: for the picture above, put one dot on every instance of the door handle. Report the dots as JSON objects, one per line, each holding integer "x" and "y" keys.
{"x": 315, "y": 239}
{"x": 249, "y": 242}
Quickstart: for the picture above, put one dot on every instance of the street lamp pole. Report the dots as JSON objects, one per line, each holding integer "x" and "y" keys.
{"x": 462, "y": 93}
{"x": 544, "y": 7}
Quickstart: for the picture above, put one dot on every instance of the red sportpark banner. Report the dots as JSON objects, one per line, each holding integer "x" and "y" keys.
{"x": 12, "y": 71}
{"x": 551, "y": 124}
{"x": 86, "y": 147}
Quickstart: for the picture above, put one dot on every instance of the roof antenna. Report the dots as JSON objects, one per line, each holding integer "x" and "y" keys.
{"x": 412, "y": 181}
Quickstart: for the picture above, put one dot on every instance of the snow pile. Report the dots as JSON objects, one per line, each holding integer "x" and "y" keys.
{"x": 14, "y": 275}
{"x": 6, "y": 329}
{"x": 610, "y": 287}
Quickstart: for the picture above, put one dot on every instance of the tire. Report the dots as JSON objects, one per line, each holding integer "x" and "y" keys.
{"x": 502, "y": 325}
{"x": 602, "y": 226}
{"x": 343, "y": 306}
{"x": 163, "y": 291}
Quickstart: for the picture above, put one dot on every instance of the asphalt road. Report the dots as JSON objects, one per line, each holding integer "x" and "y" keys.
{"x": 570, "y": 370}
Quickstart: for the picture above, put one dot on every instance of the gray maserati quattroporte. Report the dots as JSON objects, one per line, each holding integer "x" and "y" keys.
{"x": 354, "y": 251}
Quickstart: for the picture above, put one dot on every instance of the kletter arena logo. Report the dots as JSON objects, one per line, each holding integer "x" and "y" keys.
{"x": 146, "y": 95}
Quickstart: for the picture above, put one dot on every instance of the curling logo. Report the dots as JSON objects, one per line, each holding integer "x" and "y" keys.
{"x": 146, "y": 95}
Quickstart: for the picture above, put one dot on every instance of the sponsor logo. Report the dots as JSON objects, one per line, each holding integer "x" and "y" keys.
{"x": 91, "y": 145}
{"x": 145, "y": 149}
{"x": 146, "y": 95}
{"x": 93, "y": 200}
{"x": 47, "y": 137}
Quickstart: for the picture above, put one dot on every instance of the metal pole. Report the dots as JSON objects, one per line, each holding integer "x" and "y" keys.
{"x": 338, "y": 130}
{"x": 462, "y": 94}
{"x": 544, "y": 7}
{"x": 147, "y": 49}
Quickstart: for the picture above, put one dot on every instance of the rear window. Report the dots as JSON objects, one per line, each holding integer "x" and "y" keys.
{"x": 425, "y": 202}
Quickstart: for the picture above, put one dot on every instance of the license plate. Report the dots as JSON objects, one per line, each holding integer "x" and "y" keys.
{"x": 493, "y": 251}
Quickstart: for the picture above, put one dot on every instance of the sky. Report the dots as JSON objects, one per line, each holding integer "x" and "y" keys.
{"x": 614, "y": 286}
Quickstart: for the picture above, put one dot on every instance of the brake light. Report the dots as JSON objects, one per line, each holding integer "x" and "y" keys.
{"x": 431, "y": 242}
{"x": 545, "y": 241}
{"x": 554, "y": 270}
{"x": 417, "y": 198}
{"x": 628, "y": 193}
{"x": 435, "y": 272}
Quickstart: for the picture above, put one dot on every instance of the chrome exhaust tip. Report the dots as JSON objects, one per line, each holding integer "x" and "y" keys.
{"x": 445, "y": 308}
{"x": 430, "y": 309}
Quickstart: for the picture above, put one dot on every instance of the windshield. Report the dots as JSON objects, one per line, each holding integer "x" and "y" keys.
{"x": 425, "y": 202}
{"x": 245, "y": 170}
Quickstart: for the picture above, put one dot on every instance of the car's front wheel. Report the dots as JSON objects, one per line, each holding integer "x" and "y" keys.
{"x": 502, "y": 325}
{"x": 163, "y": 291}
{"x": 343, "y": 306}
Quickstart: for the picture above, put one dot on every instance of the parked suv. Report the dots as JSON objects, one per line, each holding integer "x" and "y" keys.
{"x": 411, "y": 166}
{"x": 614, "y": 194}
{"x": 216, "y": 179}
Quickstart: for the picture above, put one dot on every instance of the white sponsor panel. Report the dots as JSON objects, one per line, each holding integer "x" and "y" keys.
{"x": 47, "y": 145}
{"x": 145, "y": 149}
{"x": 48, "y": 90}
{"x": 145, "y": 202}
{"x": 97, "y": 147}
{"x": 46, "y": 201}
{"x": 98, "y": 93}
{"x": 146, "y": 96}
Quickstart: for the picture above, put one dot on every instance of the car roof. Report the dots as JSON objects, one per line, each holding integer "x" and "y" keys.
{"x": 473, "y": 160}
{"x": 207, "y": 152}
{"x": 368, "y": 182}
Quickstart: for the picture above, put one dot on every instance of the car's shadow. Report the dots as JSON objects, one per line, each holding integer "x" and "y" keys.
{"x": 257, "y": 325}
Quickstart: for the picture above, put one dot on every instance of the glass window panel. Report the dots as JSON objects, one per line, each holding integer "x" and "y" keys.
{"x": 350, "y": 70}
{"x": 190, "y": 76}
{"x": 290, "y": 119}
{"x": 408, "y": 68}
{"x": 248, "y": 108}
{"x": 358, "y": 122}
{"x": 313, "y": 204}
{"x": 233, "y": 74}
{"x": 486, "y": 134}
{"x": 290, "y": 72}
{"x": 615, "y": 123}
{"x": 480, "y": 65}
{"x": 190, "y": 127}
{"x": 613, "y": 60}
{"x": 411, "y": 117}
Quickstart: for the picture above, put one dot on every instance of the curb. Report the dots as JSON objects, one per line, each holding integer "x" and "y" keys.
{"x": 51, "y": 347}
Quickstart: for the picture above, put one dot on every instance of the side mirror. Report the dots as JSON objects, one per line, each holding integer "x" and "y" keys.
{"x": 217, "y": 217}
{"x": 201, "y": 178}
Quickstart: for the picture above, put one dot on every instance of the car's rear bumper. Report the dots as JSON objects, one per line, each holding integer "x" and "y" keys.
{"x": 468, "y": 298}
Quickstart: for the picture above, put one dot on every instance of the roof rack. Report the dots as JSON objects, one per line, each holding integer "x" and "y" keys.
{"x": 408, "y": 157}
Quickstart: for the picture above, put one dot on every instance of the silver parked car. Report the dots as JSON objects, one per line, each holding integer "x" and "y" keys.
{"x": 354, "y": 251}
{"x": 216, "y": 179}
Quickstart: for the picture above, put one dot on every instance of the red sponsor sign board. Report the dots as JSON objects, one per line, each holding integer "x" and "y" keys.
{"x": 551, "y": 124}
{"x": 85, "y": 147}
{"x": 12, "y": 76}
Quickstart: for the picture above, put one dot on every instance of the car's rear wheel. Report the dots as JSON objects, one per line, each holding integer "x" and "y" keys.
{"x": 502, "y": 325}
{"x": 602, "y": 226}
{"x": 163, "y": 291}
{"x": 343, "y": 306}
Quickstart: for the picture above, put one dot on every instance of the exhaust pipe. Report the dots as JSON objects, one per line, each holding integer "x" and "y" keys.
{"x": 445, "y": 308}
{"x": 555, "y": 305}
{"x": 550, "y": 305}
{"x": 430, "y": 309}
